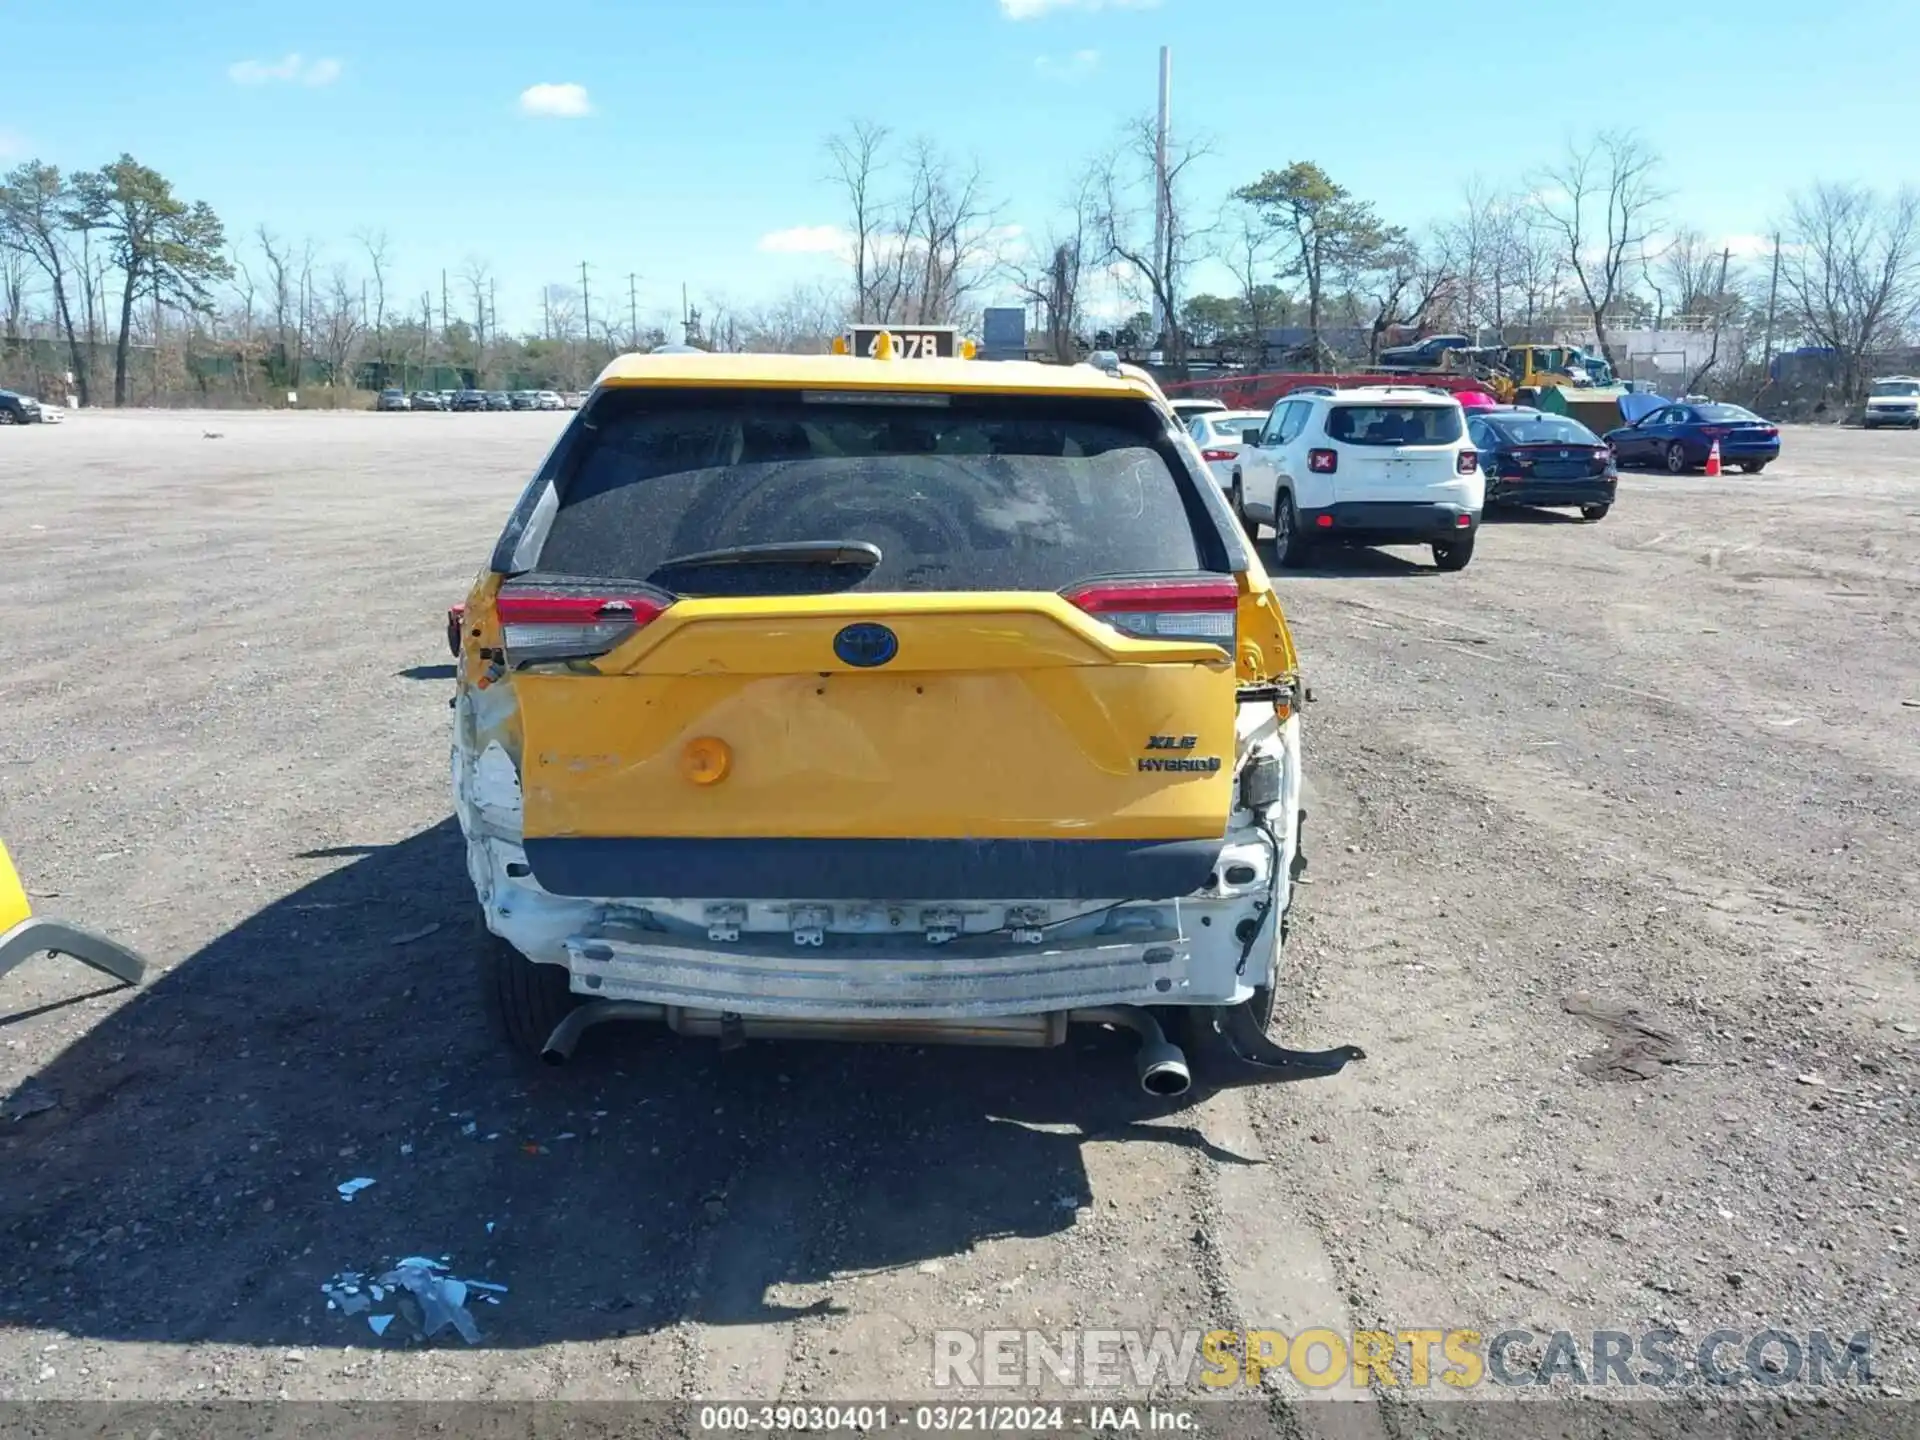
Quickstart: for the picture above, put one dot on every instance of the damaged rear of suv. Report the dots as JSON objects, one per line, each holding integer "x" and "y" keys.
{"x": 898, "y": 700}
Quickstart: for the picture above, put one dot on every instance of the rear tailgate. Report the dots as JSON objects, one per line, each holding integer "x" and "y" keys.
{"x": 1397, "y": 451}
{"x": 1029, "y": 695}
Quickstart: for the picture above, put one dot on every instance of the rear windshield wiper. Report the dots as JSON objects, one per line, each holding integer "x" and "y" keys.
{"x": 793, "y": 552}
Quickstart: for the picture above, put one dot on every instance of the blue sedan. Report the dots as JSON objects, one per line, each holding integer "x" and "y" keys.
{"x": 1679, "y": 437}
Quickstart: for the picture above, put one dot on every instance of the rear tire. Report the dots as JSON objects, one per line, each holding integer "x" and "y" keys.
{"x": 1452, "y": 554}
{"x": 6, "y": 417}
{"x": 1237, "y": 500}
{"x": 1594, "y": 512}
{"x": 1753, "y": 467}
{"x": 1677, "y": 459}
{"x": 1290, "y": 543}
{"x": 524, "y": 1000}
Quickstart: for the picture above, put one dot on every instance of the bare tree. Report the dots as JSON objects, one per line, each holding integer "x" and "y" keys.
{"x": 13, "y": 283}
{"x": 379, "y": 250}
{"x": 35, "y": 205}
{"x": 477, "y": 276}
{"x": 1693, "y": 272}
{"x": 802, "y": 322}
{"x": 1127, "y": 190}
{"x": 339, "y": 324}
{"x": 1399, "y": 281}
{"x": 858, "y": 159}
{"x": 1053, "y": 274}
{"x": 1248, "y": 246}
{"x": 1850, "y": 271}
{"x": 1601, "y": 203}
{"x": 946, "y": 242}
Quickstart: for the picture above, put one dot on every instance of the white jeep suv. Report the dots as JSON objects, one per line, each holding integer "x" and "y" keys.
{"x": 1374, "y": 465}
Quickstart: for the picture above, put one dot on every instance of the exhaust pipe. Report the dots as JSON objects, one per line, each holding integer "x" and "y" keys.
{"x": 1160, "y": 1064}
{"x": 559, "y": 1047}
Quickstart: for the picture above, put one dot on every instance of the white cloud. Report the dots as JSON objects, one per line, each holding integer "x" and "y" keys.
{"x": 290, "y": 69}
{"x": 1070, "y": 68}
{"x": 807, "y": 240}
{"x": 567, "y": 102}
{"x": 12, "y": 144}
{"x": 1034, "y": 9}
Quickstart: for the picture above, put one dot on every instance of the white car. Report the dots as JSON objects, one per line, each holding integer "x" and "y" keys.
{"x": 1893, "y": 400}
{"x": 548, "y": 400}
{"x": 1373, "y": 465}
{"x": 1185, "y": 410}
{"x": 1220, "y": 434}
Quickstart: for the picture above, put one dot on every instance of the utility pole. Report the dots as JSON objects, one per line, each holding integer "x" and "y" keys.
{"x": 586, "y": 307}
{"x": 686, "y": 316}
{"x": 546, "y": 315}
{"x": 445, "y": 321}
{"x": 633, "y": 310}
{"x": 493, "y": 304}
{"x": 1162, "y": 321}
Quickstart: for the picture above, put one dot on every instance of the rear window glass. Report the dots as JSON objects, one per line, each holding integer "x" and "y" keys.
{"x": 979, "y": 493}
{"x": 1723, "y": 412}
{"x": 1394, "y": 424}
{"x": 1542, "y": 430}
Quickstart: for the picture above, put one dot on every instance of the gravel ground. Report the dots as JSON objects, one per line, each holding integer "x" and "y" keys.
{"x": 1668, "y": 763}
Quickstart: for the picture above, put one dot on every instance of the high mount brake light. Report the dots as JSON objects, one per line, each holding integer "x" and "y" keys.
{"x": 543, "y": 625}
{"x": 1202, "y": 610}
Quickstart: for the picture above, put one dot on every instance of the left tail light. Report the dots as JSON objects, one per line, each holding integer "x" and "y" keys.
{"x": 1201, "y": 610}
{"x": 541, "y": 625}
{"x": 1323, "y": 462}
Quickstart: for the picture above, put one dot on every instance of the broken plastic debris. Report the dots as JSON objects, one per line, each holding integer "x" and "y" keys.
{"x": 350, "y": 1188}
{"x": 489, "y": 1227}
{"x": 379, "y": 1323}
{"x": 406, "y": 1149}
{"x": 30, "y": 1098}
{"x": 472, "y": 1127}
{"x": 412, "y": 935}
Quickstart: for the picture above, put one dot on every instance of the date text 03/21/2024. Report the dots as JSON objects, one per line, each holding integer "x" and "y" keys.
{"x": 939, "y": 1419}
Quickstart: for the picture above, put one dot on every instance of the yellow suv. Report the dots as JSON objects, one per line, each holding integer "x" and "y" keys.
{"x": 909, "y": 700}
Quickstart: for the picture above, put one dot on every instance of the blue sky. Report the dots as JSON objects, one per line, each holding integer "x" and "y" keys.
{"x": 704, "y": 119}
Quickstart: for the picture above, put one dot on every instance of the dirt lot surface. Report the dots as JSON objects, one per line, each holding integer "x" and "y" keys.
{"x": 1668, "y": 762}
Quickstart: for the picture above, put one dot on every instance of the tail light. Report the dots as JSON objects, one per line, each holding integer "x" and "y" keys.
{"x": 1323, "y": 462}
{"x": 456, "y": 618}
{"x": 1467, "y": 463}
{"x": 1212, "y": 456}
{"x": 542, "y": 625}
{"x": 1603, "y": 454}
{"x": 1772, "y": 432}
{"x": 1713, "y": 432}
{"x": 1202, "y": 610}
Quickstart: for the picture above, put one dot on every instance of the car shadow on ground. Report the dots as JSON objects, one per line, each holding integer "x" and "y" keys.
{"x": 427, "y": 672}
{"x": 1528, "y": 515}
{"x": 184, "y": 1187}
{"x": 1350, "y": 562}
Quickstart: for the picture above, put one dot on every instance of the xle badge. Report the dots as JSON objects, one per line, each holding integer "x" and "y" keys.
{"x": 1181, "y": 760}
{"x": 865, "y": 646}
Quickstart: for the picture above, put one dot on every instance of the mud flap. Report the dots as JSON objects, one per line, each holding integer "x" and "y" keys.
{"x": 1229, "y": 1048}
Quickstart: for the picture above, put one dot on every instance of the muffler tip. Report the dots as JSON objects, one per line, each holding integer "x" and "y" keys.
{"x": 1163, "y": 1070}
